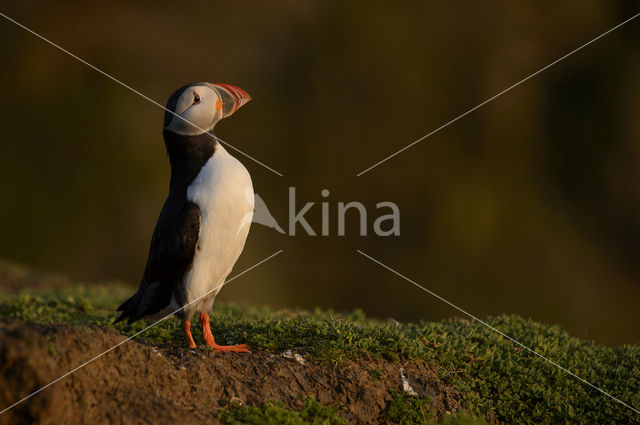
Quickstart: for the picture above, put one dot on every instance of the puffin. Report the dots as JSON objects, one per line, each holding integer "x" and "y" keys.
{"x": 205, "y": 220}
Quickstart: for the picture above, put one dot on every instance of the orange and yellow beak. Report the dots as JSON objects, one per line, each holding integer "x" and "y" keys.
{"x": 232, "y": 98}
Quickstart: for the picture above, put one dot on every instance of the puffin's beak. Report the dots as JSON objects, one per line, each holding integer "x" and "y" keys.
{"x": 232, "y": 98}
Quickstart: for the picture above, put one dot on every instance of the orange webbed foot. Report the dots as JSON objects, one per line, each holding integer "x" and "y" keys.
{"x": 211, "y": 342}
{"x": 240, "y": 348}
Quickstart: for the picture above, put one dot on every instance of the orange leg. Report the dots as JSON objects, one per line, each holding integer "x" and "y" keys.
{"x": 186, "y": 327}
{"x": 208, "y": 338}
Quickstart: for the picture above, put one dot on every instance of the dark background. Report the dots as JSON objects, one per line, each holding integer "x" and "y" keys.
{"x": 529, "y": 205}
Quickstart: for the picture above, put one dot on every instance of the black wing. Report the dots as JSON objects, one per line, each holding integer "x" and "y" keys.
{"x": 173, "y": 248}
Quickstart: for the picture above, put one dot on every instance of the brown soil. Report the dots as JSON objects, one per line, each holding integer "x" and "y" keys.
{"x": 140, "y": 384}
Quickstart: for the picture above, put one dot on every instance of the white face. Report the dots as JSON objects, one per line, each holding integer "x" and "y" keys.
{"x": 198, "y": 105}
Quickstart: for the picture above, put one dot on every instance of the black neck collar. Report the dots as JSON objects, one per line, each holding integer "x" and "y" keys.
{"x": 187, "y": 155}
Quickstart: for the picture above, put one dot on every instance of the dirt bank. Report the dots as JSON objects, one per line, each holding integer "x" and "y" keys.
{"x": 136, "y": 383}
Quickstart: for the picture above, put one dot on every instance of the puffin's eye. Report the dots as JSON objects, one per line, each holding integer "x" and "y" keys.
{"x": 196, "y": 98}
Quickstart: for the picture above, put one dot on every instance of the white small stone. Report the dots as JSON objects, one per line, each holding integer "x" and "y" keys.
{"x": 293, "y": 356}
{"x": 406, "y": 386}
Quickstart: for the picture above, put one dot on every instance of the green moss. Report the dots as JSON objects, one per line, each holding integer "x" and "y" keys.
{"x": 405, "y": 409}
{"x": 271, "y": 413}
{"x": 51, "y": 349}
{"x": 490, "y": 371}
{"x": 461, "y": 419}
{"x": 375, "y": 374}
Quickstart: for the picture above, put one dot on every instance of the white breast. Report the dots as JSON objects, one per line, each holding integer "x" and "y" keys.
{"x": 224, "y": 193}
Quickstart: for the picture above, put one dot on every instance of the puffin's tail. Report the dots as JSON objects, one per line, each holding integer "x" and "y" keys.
{"x": 120, "y": 318}
{"x": 124, "y": 305}
{"x": 146, "y": 301}
{"x": 126, "y": 310}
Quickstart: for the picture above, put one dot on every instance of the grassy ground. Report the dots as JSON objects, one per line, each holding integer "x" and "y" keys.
{"x": 492, "y": 373}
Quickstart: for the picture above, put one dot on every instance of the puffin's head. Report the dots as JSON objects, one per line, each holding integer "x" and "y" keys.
{"x": 199, "y": 106}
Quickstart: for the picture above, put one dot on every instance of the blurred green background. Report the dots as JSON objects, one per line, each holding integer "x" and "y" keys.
{"x": 529, "y": 205}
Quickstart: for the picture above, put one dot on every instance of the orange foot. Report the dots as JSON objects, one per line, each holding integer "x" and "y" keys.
{"x": 211, "y": 342}
{"x": 186, "y": 327}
